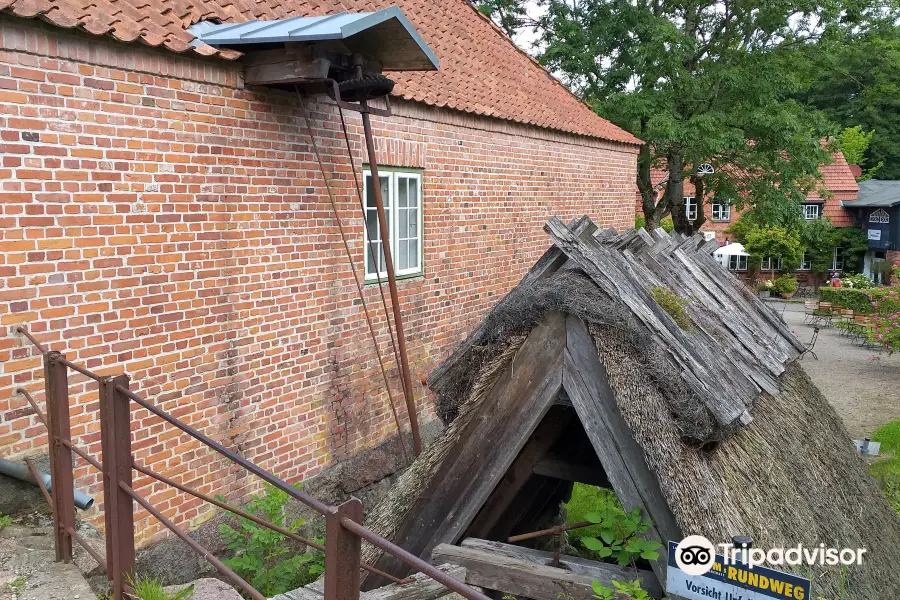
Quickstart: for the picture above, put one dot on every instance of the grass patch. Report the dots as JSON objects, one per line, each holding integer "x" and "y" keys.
{"x": 586, "y": 499}
{"x": 150, "y": 588}
{"x": 889, "y": 436}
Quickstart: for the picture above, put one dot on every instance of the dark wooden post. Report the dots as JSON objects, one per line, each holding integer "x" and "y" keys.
{"x": 56, "y": 388}
{"x": 342, "y": 553}
{"x": 118, "y": 509}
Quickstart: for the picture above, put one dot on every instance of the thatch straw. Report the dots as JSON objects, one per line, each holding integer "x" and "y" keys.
{"x": 790, "y": 477}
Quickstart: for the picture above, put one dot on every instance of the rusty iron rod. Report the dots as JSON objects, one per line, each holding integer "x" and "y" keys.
{"x": 82, "y": 370}
{"x": 206, "y": 554}
{"x": 40, "y": 483}
{"x": 259, "y": 521}
{"x": 87, "y": 457}
{"x": 412, "y": 560}
{"x": 552, "y": 531}
{"x": 306, "y": 499}
{"x": 392, "y": 283}
{"x": 34, "y": 406}
{"x": 24, "y": 331}
{"x": 87, "y": 548}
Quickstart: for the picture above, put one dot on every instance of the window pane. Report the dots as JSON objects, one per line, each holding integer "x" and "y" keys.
{"x": 414, "y": 192}
{"x": 402, "y": 187}
{"x": 413, "y": 222}
{"x": 385, "y": 191}
{"x": 404, "y": 222}
{"x": 413, "y": 254}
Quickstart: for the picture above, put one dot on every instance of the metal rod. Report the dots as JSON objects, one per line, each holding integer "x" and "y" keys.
{"x": 56, "y": 397}
{"x": 412, "y": 560}
{"x": 254, "y": 518}
{"x": 87, "y": 457}
{"x": 31, "y": 339}
{"x": 219, "y": 565}
{"x": 392, "y": 283}
{"x": 552, "y": 531}
{"x": 34, "y": 406}
{"x": 306, "y": 499}
{"x": 40, "y": 483}
{"x": 87, "y": 548}
{"x": 81, "y": 370}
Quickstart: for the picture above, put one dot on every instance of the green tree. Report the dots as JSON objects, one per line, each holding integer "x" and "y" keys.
{"x": 819, "y": 239}
{"x": 702, "y": 82}
{"x": 780, "y": 243}
{"x": 858, "y": 83}
{"x": 509, "y": 15}
{"x": 854, "y": 143}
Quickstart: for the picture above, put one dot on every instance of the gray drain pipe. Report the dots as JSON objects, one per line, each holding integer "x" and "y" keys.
{"x": 21, "y": 472}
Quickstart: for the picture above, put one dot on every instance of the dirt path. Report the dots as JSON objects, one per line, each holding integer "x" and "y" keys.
{"x": 862, "y": 384}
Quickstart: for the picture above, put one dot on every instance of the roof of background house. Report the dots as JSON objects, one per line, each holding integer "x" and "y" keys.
{"x": 837, "y": 178}
{"x": 482, "y": 71}
{"x": 876, "y": 192}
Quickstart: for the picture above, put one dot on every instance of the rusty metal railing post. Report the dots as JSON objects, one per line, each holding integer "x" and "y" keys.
{"x": 118, "y": 507}
{"x": 62, "y": 480}
{"x": 342, "y": 553}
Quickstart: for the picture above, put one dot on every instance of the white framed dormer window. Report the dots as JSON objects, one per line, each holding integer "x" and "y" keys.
{"x": 770, "y": 263}
{"x": 737, "y": 262}
{"x": 879, "y": 216}
{"x": 805, "y": 263}
{"x": 690, "y": 207}
{"x": 401, "y": 192}
{"x": 721, "y": 211}
{"x": 812, "y": 211}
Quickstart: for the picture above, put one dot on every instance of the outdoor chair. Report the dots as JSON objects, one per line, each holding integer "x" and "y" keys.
{"x": 824, "y": 314}
{"x": 845, "y": 321}
{"x": 809, "y": 310}
{"x": 812, "y": 344}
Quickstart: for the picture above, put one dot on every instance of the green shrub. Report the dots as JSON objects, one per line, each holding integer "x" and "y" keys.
{"x": 673, "y": 304}
{"x": 620, "y": 591}
{"x": 265, "y": 558}
{"x": 786, "y": 284}
{"x": 5, "y": 520}
{"x": 585, "y": 499}
{"x": 852, "y": 298}
{"x": 150, "y": 588}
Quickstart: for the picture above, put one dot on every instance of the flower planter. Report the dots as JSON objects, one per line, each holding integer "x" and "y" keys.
{"x": 765, "y": 293}
{"x": 787, "y": 295}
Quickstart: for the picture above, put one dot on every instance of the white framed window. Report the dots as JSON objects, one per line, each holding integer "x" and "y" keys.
{"x": 837, "y": 264}
{"x": 401, "y": 192}
{"x": 690, "y": 207}
{"x": 805, "y": 263}
{"x": 737, "y": 262}
{"x": 879, "y": 216}
{"x": 721, "y": 211}
{"x": 812, "y": 211}
{"x": 770, "y": 263}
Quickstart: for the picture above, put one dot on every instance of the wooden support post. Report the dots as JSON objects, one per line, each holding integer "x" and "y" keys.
{"x": 342, "y": 553}
{"x": 56, "y": 382}
{"x": 118, "y": 509}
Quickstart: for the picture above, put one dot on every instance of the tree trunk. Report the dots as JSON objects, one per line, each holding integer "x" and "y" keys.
{"x": 649, "y": 194}
{"x": 700, "y": 194}
{"x": 675, "y": 191}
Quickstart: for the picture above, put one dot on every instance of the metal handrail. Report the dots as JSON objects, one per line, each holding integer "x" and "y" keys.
{"x": 354, "y": 527}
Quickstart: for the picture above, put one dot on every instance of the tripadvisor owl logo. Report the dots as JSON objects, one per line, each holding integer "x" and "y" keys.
{"x": 695, "y": 555}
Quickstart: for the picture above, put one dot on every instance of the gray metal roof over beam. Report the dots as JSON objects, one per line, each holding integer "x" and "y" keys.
{"x": 876, "y": 193}
{"x": 385, "y": 35}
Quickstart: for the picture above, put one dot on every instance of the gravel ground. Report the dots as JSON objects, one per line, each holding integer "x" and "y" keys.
{"x": 862, "y": 384}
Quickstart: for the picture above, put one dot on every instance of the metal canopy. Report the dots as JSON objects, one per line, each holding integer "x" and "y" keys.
{"x": 875, "y": 193}
{"x": 386, "y": 36}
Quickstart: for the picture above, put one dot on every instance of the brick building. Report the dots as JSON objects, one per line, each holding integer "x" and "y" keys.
{"x": 163, "y": 219}
{"x": 838, "y": 181}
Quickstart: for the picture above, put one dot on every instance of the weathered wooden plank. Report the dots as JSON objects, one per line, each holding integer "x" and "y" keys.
{"x": 495, "y": 571}
{"x": 587, "y": 383}
{"x": 559, "y": 468}
{"x": 605, "y": 573}
{"x": 547, "y": 433}
{"x": 423, "y": 588}
{"x": 487, "y": 446}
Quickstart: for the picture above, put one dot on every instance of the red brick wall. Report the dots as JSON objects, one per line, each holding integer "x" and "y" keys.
{"x": 161, "y": 220}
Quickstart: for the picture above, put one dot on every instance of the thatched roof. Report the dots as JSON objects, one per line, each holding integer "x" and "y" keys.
{"x": 730, "y": 433}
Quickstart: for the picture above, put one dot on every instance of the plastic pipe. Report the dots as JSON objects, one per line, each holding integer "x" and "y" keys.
{"x": 20, "y": 472}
